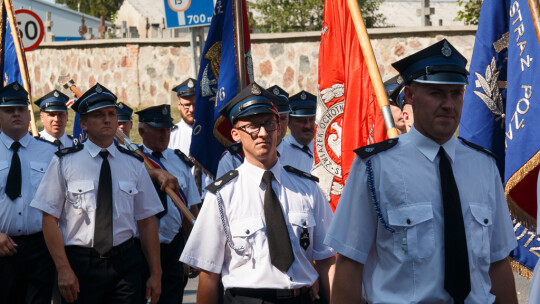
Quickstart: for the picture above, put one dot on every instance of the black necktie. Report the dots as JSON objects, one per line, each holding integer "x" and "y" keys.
{"x": 157, "y": 155}
{"x": 304, "y": 149}
{"x": 279, "y": 242}
{"x": 457, "y": 280}
{"x": 57, "y": 143}
{"x": 14, "y": 179}
{"x": 103, "y": 233}
{"x": 162, "y": 195}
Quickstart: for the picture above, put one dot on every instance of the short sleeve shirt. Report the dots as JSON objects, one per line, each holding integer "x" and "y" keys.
{"x": 69, "y": 192}
{"x": 407, "y": 265}
{"x": 241, "y": 199}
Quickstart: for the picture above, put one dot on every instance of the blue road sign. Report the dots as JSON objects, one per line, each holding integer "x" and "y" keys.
{"x": 188, "y": 13}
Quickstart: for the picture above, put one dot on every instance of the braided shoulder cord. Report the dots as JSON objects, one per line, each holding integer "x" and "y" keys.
{"x": 371, "y": 184}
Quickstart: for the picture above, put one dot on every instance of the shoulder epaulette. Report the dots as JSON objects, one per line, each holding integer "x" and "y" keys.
{"x": 129, "y": 152}
{"x": 175, "y": 127}
{"x": 301, "y": 173}
{"x": 44, "y": 140}
{"x": 183, "y": 157}
{"x": 68, "y": 150}
{"x": 220, "y": 182}
{"x": 235, "y": 148}
{"x": 477, "y": 147}
{"x": 367, "y": 151}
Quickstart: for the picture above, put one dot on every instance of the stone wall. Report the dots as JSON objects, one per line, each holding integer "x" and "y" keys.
{"x": 142, "y": 72}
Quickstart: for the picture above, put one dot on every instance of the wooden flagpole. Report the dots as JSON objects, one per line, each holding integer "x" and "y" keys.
{"x": 535, "y": 14}
{"x": 239, "y": 29}
{"x": 373, "y": 69}
{"x": 22, "y": 62}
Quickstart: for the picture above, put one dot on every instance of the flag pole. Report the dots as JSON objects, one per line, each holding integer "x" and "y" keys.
{"x": 373, "y": 69}
{"x": 22, "y": 63}
{"x": 239, "y": 29}
{"x": 535, "y": 14}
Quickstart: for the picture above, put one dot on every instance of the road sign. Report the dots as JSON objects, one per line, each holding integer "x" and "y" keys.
{"x": 30, "y": 27}
{"x": 188, "y": 13}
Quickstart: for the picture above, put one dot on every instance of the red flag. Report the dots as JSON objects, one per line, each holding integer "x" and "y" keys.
{"x": 348, "y": 115}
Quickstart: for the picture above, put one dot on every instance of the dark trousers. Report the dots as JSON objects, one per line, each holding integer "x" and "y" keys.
{"x": 114, "y": 279}
{"x": 28, "y": 275}
{"x": 172, "y": 277}
{"x": 232, "y": 298}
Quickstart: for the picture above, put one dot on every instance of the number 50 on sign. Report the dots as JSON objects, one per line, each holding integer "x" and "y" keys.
{"x": 188, "y": 13}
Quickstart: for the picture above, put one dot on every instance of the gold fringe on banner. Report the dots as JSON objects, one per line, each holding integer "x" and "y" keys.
{"x": 528, "y": 220}
{"x": 521, "y": 270}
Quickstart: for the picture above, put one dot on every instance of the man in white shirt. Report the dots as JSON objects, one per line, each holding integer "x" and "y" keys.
{"x": 297, "y": 148}
{"x": 262, "y": 225}
{"x": 54, "y": 116}
{"x": 95, "y": 198}
{"x": 155, "y": 125}
{"x": 423, "y": 217}
{"x": 26, "y": 267}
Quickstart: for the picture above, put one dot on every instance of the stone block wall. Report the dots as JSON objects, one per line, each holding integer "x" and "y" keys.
{"x": 142, "y": 72}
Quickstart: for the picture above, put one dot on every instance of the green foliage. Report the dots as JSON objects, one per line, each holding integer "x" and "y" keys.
{"x": 301, "y": 15}
{"x": 98, "y": 8}
{"x": 470, "y": 13}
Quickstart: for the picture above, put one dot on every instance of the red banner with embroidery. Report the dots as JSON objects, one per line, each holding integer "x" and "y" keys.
{"x": 348, "y": 115}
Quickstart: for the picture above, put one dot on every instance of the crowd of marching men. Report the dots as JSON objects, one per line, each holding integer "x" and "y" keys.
{"x": 106, "y": 221}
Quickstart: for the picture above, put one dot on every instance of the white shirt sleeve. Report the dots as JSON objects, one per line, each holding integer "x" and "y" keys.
{"x": 205, "y": 248}
{"x": 49, "y": 196}
{"x": 146, "y": 201}
{"x": 323, "y": 216}
{"x": 354, "y": 227}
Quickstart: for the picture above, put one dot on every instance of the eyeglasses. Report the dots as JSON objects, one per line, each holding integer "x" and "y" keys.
{"x": 252, "y": 129}
{"x": 186, "y": 106}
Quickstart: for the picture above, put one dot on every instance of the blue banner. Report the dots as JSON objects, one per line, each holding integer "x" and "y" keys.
{"x": 501, "y": 109}
{"x": 9, "y": 65}
{"x": 79, "y": 135}
{"x": 217, "y": 83}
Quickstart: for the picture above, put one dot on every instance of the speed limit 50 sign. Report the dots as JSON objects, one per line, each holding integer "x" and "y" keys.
{"x": 30, "y": 27}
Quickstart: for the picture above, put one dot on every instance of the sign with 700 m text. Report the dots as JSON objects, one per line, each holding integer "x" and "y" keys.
{"x": 188, "y": 13}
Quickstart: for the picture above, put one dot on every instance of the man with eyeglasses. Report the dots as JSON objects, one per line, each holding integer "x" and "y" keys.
{"x": 181, "y": 135}
{"x": 262, "y": 225}
{"x": 233, "y": 156}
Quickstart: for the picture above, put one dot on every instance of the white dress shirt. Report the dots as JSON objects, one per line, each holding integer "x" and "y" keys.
{"x": 181, "y": 137}
{"x": 17, "y": 217}
{"x": 170, "y": 223}
{"x": 69, "y": 192}
{"x": 291, "y": 154}
{"x": 304, "y": 206}
{"x": 407, "y": 265}
{"x": 65, "y": 141}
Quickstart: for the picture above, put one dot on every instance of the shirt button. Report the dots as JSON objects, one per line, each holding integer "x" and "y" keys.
{"x": 486, "y": 221}
{"x": 408, "y": 221}
{"x": 129, "y": 191}
{"x": 20, "y": 213}
{"x": 290, "y": 278}
{"x": 19, "y": 230}
{"x": 304, "y": 223}
{"x": 247, "y": 231}
{"x": 80, "y": 190}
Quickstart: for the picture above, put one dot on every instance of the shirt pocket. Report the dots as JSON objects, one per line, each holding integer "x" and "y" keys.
{"x": 302, "y": 222}
{"x": 80, "y": 195}
{"x": 37, "y": 170}
{"x": 247, "y": 233}
{"x": 126, "y": 197}
{"x": 414, "y": 237}
{"x": 479, "y": 230}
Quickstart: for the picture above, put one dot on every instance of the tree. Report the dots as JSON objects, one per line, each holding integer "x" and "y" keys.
{"x": 301, "y": 15}
{"x": 470, "y": 13}
{"x": 98, "y": 8}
